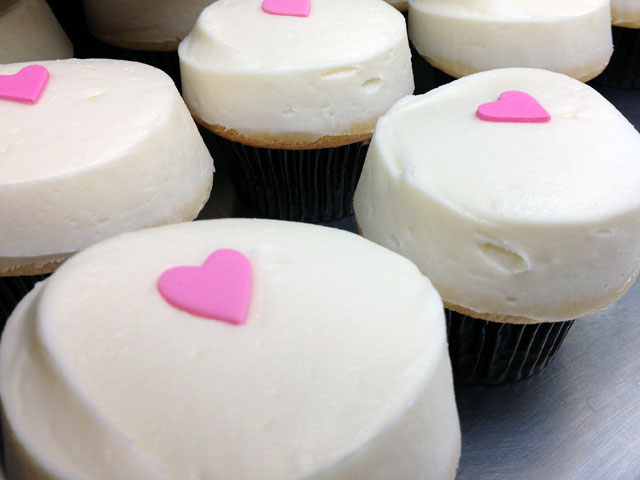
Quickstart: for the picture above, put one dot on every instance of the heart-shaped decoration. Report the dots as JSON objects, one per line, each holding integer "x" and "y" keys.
{"x": 26, "y": 86}
{"x": 220, "y": 289}
{"x": 514, "y": 106}
{"x": 291, "y": 8}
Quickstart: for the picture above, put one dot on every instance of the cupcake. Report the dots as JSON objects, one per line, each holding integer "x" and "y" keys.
{"x": 516, "y": 192}
{"x": 235, "y": 354}
{"x": 624, "y": 69}
{"x": 292, "y": 97}
{"x": 461, "y": 38}
{"x": 148, "y": 31}
{"x": 401, "y": 5}
{"x": 89, "y": 149}
{"x": 29, "y": 31}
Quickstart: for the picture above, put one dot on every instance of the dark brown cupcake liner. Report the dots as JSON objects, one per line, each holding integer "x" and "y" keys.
{"x": 425, "y": 76}
{"x": 624, "y": 67}
{"x": 492, "y": 353}
{"x": 12, "y": 290}
{"x": 315, "y": 185}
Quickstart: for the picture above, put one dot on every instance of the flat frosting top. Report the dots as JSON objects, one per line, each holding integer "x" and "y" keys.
{"x": 560, "y": 171}
{"x": 511, "y": 9}
{"x": 238, "y": 34}
{"x": 341, "y": 335}
{"x": 90, "y": 112}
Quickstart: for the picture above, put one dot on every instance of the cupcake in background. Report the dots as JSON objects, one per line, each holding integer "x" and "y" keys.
{"x": 465, "y": 37}
{"x": 624, "y": 69}
{"x": 401, "y": 5}
{"x": 89, "y": 149}
{"x": 292, "y": 97}
{"x": 215, "y": 331}
{"x": 29, "y": 31}
{"x": 148, "y": 31}
{"x": 143, "y": 24}
{"x": 516, "y": 192}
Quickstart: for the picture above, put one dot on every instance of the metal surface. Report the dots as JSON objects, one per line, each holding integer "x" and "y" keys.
{"x": 577, "y": 419}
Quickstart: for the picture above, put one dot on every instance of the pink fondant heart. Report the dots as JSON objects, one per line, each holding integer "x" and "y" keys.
{"x": 220, "y": 289}
{"x": 513, "y": 106}
{"x": 26, "y": 86}
{"x": 292, "y": 8}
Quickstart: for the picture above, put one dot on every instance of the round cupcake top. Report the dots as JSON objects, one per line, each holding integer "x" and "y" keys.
{"x": 625, "y": 13}
{"x": 523, "y": 187}
{"x": 338, "y": 346}
{"x": 467, "y": 36}
{"x": 331, "y": 72}
{"x": 90, "y": 112}
{"x": 29, "y": 31}
{"x": 107, "y": 146}
{"x": 538, "y": 11}
{"x": 562, "y": 170}
{"x": 334, "y": 32}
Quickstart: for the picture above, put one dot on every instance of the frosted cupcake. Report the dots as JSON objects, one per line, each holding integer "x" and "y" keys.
{"x": 516, "y": 192}
{"x": 143, "y": 24}
{"x": 29, "y": 31}
{"x": 147, "y": 31}
{"x": 236, "y": 355}
{"x": 469, "y": 36}
{"x": 293, "y": 96}
{"x": 624, "y": 70}
{"x": 89, "y": 149}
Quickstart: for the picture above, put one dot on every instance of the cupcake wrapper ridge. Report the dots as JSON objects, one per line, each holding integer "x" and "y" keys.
{"x": 313, "y": 185}
{"x": 492, "y": 353}
{"x": 12, "y": 290}
{"x": 624, "y": 67}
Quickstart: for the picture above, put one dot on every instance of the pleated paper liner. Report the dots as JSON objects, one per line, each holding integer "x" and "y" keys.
{"x": 624, "y": 67}
{"x": 425, "y": 76}
{"x": 492, "y": 353}
{"x": 315, "y": 185}
{"x": 14, "y": 289}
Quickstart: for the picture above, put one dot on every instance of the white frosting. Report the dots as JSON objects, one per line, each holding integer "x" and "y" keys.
{"x": 341, "y": 371}
{"x": 467, "y": 36}
{"x": 145, "y": 24}
{"x": 325, "y": 74}
{"x": 109, "y": 147}
{"x": 29, "y": 31}
{"x": 540, "y": 221}
{"x": 625, "y": 13}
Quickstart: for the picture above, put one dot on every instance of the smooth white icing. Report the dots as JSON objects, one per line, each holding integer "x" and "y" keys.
{"x": 29, "y": 31}
{"x": 467, "y": 36}
{"x": 325, "y": 74}
{"x": 625, "y": 12}
{"x": 109, "y": 147}
{"x": 540, "y": 221}
{"x": 340, "y": 372}
{"x": 150, "y": 24}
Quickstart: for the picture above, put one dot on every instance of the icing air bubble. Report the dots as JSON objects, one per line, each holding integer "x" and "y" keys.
{"x": 372, "y": 85}
{"x": 340, "y": 72}
{"x": 507, "y": 260}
